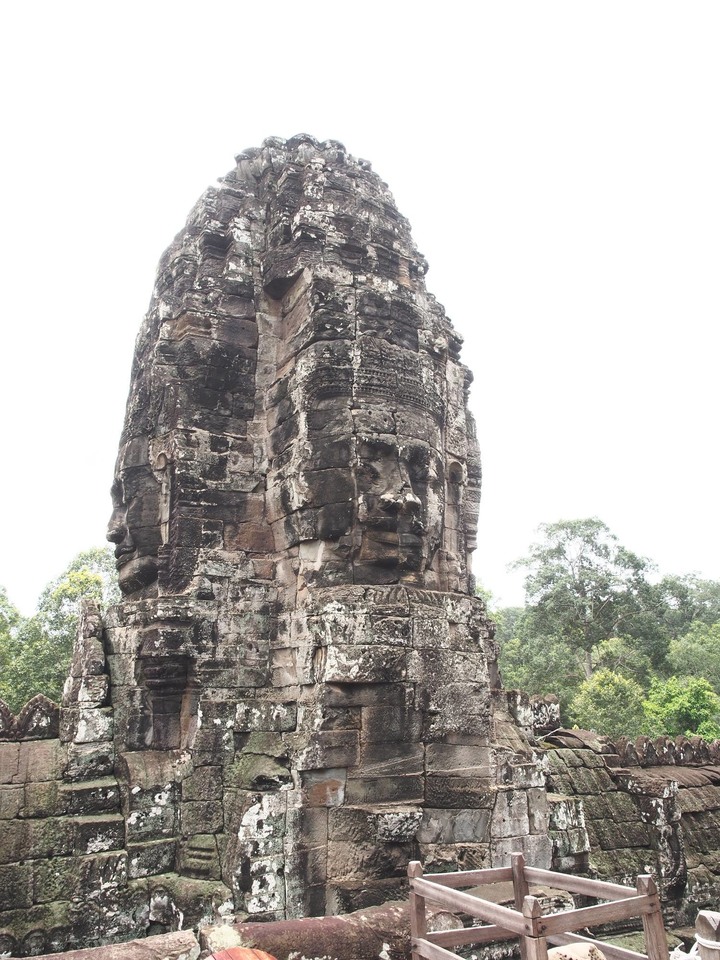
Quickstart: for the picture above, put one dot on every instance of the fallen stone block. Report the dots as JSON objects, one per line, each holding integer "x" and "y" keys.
{"x": 169, "y": 946}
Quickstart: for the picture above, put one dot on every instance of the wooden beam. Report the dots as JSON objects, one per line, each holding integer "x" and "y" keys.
{"x": 430, "y": 951}
{"x": 600, "y": 913}
{"x": 454, "y": 938}
{"x": 535, "y": 946}
{"x": 653, "y": 927}
{"x": 608, "y": 949}
{"x": 472, "y": 878}
{"x": 520, "y": 890}
{"x": 583, "y": 885}
{"x": 418, "y": 920}
{"x": 456, "y": 900}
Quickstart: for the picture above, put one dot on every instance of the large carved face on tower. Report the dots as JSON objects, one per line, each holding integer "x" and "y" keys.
{"x": 136, "y": 523}
{"x": 373, "y": 501}
{"x": 400, "y": 503}
{"x": 308, "y": 391}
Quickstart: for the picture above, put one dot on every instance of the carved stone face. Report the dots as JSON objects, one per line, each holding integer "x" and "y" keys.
{"x": 134, "y": 526}
{"x": 400, "y": 504}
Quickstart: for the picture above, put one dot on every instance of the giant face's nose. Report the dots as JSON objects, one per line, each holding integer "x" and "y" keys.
{"x": 399, "y": 496}
{"x": 400, "y": 501}
{"x": 117, "y": 530}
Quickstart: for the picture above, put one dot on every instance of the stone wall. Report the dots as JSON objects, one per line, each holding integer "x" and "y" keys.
{"x": 693, "y": 765}
{"x": 298, "y": 693}
{"x": 70, "y": 873}
{"x": 637, "y": 807}
{"x": 295, "y": 695}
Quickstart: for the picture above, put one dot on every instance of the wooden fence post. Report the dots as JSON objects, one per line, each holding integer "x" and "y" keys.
{"x": 655, "y": 940}
{"x": 418, "y": 921}
{"x": 707, "y": 934}
{"x": 535, "y": 945}
{"x": 520, "y": 890}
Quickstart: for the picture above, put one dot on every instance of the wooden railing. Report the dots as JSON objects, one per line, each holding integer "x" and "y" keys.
{"x": 526, "y": 921}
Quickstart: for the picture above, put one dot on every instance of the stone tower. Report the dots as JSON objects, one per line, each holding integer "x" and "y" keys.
{"x": 299, "y": 653}
{"x": 298, "y": 693}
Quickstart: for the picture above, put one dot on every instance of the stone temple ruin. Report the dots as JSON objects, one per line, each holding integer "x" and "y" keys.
{"x": 298, "y": 693}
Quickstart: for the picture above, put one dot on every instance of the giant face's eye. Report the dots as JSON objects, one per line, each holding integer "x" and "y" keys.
{"x": 424, "y": 465}
{"x": 367, "y": 474}
{"x": 116, "y": 493}
{"x": 418, "y": 463}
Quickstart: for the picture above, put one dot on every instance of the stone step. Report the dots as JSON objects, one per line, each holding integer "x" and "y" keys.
{"x": 91, "y": 796}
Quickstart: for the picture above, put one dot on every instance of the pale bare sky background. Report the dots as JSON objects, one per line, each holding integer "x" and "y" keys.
{"x": 559, "y": 163}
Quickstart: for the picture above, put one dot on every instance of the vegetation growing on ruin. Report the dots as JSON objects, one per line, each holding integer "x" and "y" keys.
{"x": 625, "y": 651}
{"x": 35, "y": 651}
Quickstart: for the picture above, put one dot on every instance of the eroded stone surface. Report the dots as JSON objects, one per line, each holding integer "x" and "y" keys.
{"x": 294, "y": 697}
{"x": 298, "y": 693}
{"x": 295, "y": 499}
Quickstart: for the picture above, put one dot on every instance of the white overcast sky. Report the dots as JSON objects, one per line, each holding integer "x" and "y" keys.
{"x": 559, "y": 163}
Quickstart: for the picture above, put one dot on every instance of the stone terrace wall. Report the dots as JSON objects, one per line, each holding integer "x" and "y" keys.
{"x": 617, "y": 810}
{"x": 61, "y": 837}
{"x": 694, "y": 766}
{"x": 72, "y": 869}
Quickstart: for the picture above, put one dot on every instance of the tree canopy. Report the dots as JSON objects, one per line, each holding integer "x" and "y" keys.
{"x": 683, "y": 705}
{"x": 610, "y": 703}
{"x": 35, "y": 651}
{"x": 599, "y": 625}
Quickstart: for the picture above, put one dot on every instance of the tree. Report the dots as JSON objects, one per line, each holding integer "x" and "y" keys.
{"x": 35, "y": 651}
{"x": 697, "y": 654}
{"x": 621, "y": 656}
{"x": 683, "y": 705}
{"x": 584, "y": 587}
{"x": 608, "y": 703}
{"x": 31, "y": 666}
{"x": 90, "y": 576}
{"x": 540, "y": 665}
{"x": 10, "y": 620}
{"x": 9, "y": 614}
{"x": 670, "y": 607}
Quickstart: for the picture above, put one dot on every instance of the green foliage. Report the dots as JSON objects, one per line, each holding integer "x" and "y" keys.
{"x": 621, "y": 656}
{"x": 540, "y": 665}
{"x": 35, "y": 651}
{"x": 31, "y": 666}
{"x": 507, "y": 623}
{"x": 9, "y": 614}
{"x": 10, "y": 620}
{"x": 593, "y": 609}
{"x": 683, "y": 705}
{"x": 608, "y": 703}
{"x": 697, "y": 654}
{"x": 670, "y": 607}
{"x": 583, "y": 586}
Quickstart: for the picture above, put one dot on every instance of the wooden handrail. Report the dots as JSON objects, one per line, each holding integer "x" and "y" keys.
{"x": 474, "y": 906}
{"x": 472, "y": 878}
{"x": 526, "y": 922}
{"x": 424, "y": 948}
{"x": 611, "y": 951}
{"x": 456, "y": 938}
{"x": 583, "y": 885}
{"x": 570, "y": 920}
